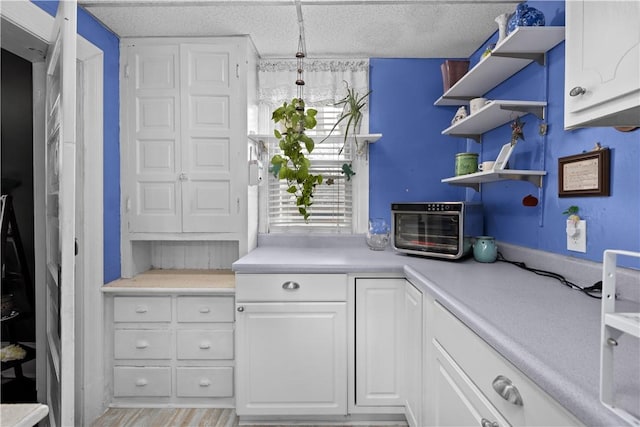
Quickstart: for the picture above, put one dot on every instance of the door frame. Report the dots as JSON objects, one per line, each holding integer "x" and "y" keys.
{"x": 34, "y": 22}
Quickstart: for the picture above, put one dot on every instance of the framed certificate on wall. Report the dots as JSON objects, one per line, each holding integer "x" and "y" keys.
{"x": 585, "y": 174}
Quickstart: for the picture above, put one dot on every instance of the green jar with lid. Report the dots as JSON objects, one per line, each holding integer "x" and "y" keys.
{"x": 466, "y": 163}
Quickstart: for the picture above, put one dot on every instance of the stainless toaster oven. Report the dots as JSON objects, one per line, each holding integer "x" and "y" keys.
{"x": 436, "y": 229}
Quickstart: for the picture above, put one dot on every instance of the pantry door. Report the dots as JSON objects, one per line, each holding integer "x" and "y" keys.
{"x": 60, "y": 156}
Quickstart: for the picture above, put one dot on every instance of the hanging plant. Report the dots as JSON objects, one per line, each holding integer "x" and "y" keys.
{"x": 352, "y": 105}
{"x": 293, "y": 164}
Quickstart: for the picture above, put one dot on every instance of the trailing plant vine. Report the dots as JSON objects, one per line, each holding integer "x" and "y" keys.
{"x": 293, "y": 164}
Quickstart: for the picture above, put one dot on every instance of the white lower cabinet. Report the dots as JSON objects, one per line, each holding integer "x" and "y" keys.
{"x": 458, "y": 402}
{"x": 172, "y": 349}
{"x": 291, "y": 349}
{"x": 413, "y": 355}
{"x": 379, "y": 349}
{"x": 472, "y": 385}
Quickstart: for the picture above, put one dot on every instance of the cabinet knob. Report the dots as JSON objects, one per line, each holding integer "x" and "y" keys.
{"x": 576, "y": 91}
{"x": 204, "y": 310}
{"x": 141, "y": 309}
{"x": 141, "y": 382}
{"x": 240, "y": 309}
{"x": 205, "y": 382}
{"x": 183, "y": 176}
{"x": 205, "y": 345}
{"x": 290, "y": 286}
{"x": 142, "y": 344}
{"x": 505, "y": 388}
{"x": 486, "y": 423}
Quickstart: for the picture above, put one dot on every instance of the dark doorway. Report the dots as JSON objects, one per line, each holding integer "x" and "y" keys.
{"x": 18, "y": 379}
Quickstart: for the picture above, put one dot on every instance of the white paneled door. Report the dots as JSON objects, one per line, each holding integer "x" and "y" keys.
{"x": 184, "y": 106}
{"x": 210, "y": 93}
{"x": 379, "y": 347}
{"x": 291, "y": 359}
{"x": 60, "y": 104}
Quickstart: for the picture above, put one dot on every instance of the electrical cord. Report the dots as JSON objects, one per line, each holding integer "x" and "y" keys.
{"x": 594, "y": 291}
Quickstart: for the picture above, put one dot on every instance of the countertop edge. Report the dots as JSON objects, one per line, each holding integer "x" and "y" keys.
{"x": 159, "y": 290}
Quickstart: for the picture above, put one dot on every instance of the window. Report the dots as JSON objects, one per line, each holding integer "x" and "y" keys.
{"x": 341, "y": 207}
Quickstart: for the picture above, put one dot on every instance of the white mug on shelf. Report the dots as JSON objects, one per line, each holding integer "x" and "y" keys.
{"x": 486, "y": 166}
{"x": 477, "y": 103}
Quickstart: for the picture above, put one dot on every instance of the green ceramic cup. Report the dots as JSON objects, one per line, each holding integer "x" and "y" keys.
{"x": 466, "y": 163}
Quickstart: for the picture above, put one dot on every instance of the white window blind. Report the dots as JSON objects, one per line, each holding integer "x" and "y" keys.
{"x": 332, "y": 206}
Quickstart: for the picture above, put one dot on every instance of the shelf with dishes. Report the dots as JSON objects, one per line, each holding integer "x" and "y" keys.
{"x": 474, "y": 180}
{"x": 520, "y": 48}
{"x": 495, "y": 113}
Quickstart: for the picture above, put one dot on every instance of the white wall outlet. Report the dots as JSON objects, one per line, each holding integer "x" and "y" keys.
{"x": 577, "y": 236}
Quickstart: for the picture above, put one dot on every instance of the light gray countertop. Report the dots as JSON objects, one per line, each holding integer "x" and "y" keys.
{"x": 548, "y": 331}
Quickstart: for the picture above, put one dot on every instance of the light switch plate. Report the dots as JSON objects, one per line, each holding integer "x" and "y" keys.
{"x": 578, "y": 241}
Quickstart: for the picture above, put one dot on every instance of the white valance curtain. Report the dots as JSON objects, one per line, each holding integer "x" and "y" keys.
{"x": 324, "y": 80}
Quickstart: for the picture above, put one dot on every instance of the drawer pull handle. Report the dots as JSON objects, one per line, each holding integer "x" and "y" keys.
{"x": 142, "y": 344}
{"x": 205, "y": 382}
{"x": 141, "y": 309}
{"x": 291, "y": 286}
{"x": 577, "y": 91}
{"x": 141, "y": 382}
{"x": 505, "y": 388}
{"x": 486, "y": 423}
{"x": 205, "y": 345}
{"x": 204, "y": 310}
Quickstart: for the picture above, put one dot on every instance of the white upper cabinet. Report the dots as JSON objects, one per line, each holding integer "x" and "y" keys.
{"x": 184, "y": 110}
{"x": 602, "y": 70}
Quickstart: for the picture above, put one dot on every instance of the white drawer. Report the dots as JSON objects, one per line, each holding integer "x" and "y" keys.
{"x": 202, "y": 344}
{"x": 205, "y": 309}
{"x": 142, "y": 309}
{"x": 205, "y": 382}
{"x": 142, "y": 344}
{"x": 484, "y": 365}
{"x": 291, "y": 287}
{"x": 141, "y": 381}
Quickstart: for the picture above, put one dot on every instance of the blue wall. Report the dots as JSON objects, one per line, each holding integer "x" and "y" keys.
{"x": 93, "y": 31}
{"x": 412, "y": 157}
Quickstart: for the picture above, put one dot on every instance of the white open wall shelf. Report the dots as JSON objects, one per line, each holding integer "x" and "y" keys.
{"x": 494, "y": 114}
{"x": 474, "y": 180}
{"x": 517, "y": 50}
{"x": 613, "y": 324}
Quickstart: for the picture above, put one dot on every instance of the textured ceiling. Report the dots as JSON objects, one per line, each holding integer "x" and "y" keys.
{"x": 332, "y": 28}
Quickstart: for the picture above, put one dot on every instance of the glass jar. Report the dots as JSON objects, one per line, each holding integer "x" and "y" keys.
{"x": 378, "y": 234}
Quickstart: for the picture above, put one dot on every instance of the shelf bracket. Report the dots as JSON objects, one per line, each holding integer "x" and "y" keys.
{"x": 540, "y": 58}
{"x": 476, "y": 137}
{"x": 474, "y": 185}
{"x": 533, "y": 179}
{"x": 537, "y": 111}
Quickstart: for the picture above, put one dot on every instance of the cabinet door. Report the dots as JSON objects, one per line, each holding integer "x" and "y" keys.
{"x": 602, "y": 56}
{"x": 379, "y": 348}
{"x": 211, "y": 111}
{"x": 152, "y": 80}
{"x": 457, "y": 401}
{"x": 291, "y": 359}
{"x": 413, "y": 355}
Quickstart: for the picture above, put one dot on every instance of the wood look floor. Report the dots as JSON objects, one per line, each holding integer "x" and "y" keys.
{"x": 178, "y": 417}
{"x": 170, "y": 417}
